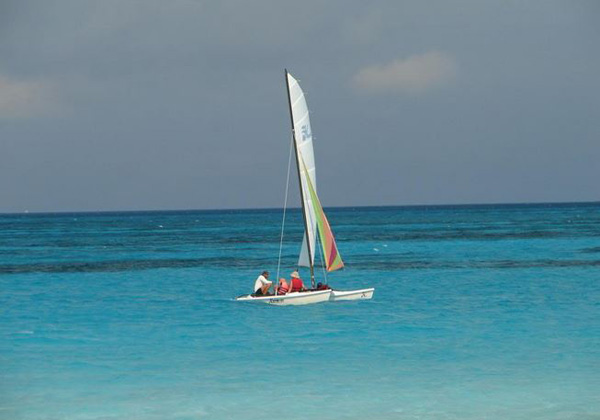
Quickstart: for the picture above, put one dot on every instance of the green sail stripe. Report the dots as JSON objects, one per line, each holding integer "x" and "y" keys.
{"x": 325, "y": 234}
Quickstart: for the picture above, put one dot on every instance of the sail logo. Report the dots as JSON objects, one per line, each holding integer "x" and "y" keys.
{"x": 306, "y": 134}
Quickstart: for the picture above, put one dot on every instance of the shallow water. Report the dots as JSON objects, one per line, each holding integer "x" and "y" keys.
{"x": 479, "y": 312}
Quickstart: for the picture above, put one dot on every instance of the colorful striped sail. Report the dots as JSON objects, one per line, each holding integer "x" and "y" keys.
{"x": 331, "y": 256}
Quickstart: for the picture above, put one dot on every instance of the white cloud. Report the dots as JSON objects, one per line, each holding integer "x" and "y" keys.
{"x": 415, "y": 74}
{"x": 22, "y": 99}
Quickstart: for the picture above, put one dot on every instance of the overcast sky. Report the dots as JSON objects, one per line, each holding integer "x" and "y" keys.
{"x": 132, "y": 105}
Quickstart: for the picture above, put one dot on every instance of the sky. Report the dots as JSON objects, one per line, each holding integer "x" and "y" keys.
{"x": 181, "y": 104}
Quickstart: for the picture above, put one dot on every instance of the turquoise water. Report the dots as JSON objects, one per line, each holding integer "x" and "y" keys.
{"x": 487, "y": 312}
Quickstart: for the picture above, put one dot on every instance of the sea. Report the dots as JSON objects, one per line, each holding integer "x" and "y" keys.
{"x": 479, "y": 312}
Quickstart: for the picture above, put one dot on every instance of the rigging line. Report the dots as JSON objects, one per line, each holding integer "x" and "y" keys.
{"x": 287, "y": 186}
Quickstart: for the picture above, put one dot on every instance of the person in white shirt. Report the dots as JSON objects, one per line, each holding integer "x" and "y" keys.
{"x": 262, "y": 284}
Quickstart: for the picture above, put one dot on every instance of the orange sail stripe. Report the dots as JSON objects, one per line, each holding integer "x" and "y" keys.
{"x": 331, "y": 256}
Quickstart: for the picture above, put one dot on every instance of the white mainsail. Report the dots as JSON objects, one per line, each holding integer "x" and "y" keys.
{"x": 304, "y": 146}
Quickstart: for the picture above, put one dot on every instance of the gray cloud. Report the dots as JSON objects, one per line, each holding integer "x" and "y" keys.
{"x": 415, "y": 74}
{"x": 23, "y": 99}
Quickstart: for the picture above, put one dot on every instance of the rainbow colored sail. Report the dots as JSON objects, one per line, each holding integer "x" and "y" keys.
{"x": 331, "y": 256}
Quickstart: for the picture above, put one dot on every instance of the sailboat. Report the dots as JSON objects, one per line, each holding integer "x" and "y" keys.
{"x": 314, "y": 218}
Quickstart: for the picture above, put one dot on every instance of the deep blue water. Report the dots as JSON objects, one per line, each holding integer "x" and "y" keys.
{"x": 483, "y": 312}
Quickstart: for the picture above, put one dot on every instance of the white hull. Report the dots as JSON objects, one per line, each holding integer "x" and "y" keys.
{"x": 337, "y": 295}
{"x": 296, "y": 298}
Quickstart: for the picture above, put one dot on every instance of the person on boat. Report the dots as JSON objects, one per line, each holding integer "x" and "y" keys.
{"x": 296, "y": 284}
{"x": 283, "y": 287}
{"x": 262, "y": 284}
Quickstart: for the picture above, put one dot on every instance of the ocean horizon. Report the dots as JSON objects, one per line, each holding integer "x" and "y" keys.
{"x": 480, "y": 311}
{"x": 297, "y": 208}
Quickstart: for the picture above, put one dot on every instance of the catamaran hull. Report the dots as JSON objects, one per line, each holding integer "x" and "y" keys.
{"x": 337, "y": 295}
{"x": 296, "y": 298}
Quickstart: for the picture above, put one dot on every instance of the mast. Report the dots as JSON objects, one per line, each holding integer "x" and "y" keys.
{"x": 312, "y": 270}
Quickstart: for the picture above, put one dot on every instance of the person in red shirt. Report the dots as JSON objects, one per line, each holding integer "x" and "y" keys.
{"x": 296, "y": 284}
